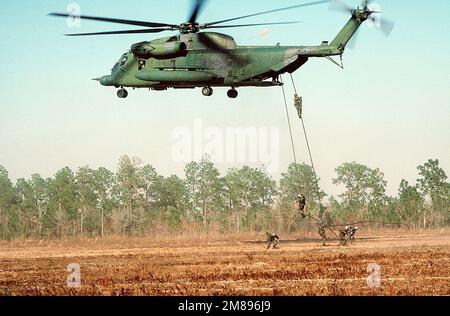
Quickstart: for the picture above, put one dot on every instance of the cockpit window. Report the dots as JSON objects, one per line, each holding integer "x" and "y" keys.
{"x": 123, "y": 60}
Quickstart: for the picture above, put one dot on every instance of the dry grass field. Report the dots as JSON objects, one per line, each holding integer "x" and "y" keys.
{"x": 412, "y": 263}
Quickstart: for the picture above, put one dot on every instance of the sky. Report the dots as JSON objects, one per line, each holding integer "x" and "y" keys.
{"x": 389, "y": 108}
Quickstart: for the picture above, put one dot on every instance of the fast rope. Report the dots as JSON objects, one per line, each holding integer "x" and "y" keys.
{"x": 299, "y": 106}
{"x": 290, "y": 131}
{"x": 316, "y": 182}
{"x": 322, "y": 224}
{"x": 300, "y": 114}
{"x": 289, "y": 123}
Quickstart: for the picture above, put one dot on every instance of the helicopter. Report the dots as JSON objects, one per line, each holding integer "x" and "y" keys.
{"x": 193, "y": 59}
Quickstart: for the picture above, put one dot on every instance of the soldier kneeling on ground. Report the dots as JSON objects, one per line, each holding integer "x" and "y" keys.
{"x": 343, "y": 237}
{"x": 272, "y": 238}
{"x": 351, "y": 231}
{"x": 301, "y": 203}
{"x": 347, "y": 234}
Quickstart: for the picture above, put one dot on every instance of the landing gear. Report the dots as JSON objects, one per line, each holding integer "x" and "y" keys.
{"x": 207, "y": 91}
{"x": 232, "y": 93}
{"x": 122, "y": 93}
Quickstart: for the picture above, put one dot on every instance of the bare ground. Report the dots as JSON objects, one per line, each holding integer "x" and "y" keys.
{"x": 412, "y": 263}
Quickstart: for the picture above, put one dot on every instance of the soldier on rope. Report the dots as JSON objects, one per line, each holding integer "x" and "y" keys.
{"x": 300, "y": 201}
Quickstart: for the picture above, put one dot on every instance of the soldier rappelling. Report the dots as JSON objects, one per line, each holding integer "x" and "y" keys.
{"x": 300, "y": 202}
{"x": 298, "y": 103}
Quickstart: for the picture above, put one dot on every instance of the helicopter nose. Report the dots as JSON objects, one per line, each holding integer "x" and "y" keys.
{"x": 106, "y": 80}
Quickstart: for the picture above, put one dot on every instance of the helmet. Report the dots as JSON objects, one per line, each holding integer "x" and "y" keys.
{"x": 356, "y": 228}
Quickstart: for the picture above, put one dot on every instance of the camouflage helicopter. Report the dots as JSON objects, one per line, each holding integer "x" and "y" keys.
{"x": 194, "y": 59}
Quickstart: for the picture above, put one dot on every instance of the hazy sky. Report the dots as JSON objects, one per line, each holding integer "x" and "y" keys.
{"x": 389, "y": 108}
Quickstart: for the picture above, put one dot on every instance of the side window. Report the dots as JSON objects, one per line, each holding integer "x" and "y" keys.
{"x": 141, "y": 64}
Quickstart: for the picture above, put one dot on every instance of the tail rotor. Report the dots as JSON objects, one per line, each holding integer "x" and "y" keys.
{"x": 365, "y": 12}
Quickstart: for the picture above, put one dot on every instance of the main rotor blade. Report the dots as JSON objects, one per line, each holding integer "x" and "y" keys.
{"x": 271, "y": 11}
{"x": 110, "y": 20}
{"x": 123, "y": 32}
{"x": 246, "y": 25}
{"x": 196, "y": 10}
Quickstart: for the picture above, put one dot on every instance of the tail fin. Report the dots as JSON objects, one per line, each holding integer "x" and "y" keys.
{"x": 344, "y": 36}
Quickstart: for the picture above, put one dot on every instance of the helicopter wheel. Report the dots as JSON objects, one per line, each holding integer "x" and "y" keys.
{"x": 207, "y": 91}
{"x": 232, "y": 93}
{"x": 122, "y": 93}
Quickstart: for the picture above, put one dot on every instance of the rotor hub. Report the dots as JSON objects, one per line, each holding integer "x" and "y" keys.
{"x": 186, "y": 28}
{"x": 361, "y": 14}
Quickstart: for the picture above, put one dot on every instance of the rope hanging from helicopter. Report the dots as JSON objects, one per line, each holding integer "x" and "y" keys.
{"x": 299, "y": 106}
{"x": 300, "y": 114}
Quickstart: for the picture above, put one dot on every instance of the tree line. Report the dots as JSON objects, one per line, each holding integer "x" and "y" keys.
{"x": 136, "y": 200}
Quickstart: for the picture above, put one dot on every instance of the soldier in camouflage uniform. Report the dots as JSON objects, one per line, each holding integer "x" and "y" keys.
{"x": 347, "y": 234}
{"x": 351, "y": 231}
{"x": 301, "y": 203}
{"x": 298, "y": 103}
{"x": 272, "y": 238}
{"x": 343, "y": 237}
{"x": 322, "y": 233}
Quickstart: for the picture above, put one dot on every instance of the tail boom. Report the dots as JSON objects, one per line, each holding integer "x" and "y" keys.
{"x": 337, "y": 46}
